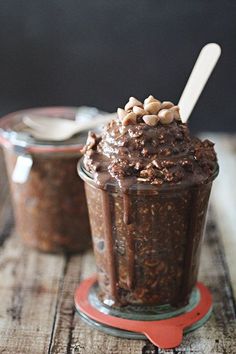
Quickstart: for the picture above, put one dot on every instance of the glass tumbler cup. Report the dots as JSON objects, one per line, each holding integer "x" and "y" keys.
{"x": 147, "y": 241}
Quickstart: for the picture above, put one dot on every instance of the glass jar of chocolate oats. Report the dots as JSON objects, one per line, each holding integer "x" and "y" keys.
{"x": 147, "y": 183}
{"x": 48, "y": 198}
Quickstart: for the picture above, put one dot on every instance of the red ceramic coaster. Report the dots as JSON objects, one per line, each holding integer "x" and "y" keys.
{"x": 167, "y": 333}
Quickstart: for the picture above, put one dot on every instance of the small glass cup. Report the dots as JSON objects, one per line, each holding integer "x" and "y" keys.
{"x": 48, "y": 198}
{"x": 147, "y": 242}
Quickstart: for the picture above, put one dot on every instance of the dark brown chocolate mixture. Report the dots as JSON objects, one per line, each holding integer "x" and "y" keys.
{"x": 162, "y": 154}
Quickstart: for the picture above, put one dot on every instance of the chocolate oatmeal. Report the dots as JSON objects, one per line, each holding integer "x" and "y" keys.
{"x": 148, "y": 183}
{"x": 49, "y": 205}
{"x": 50, "y": 208}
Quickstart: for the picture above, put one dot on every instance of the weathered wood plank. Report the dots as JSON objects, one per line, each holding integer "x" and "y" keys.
{"x": 218, "y": 334}
{"x": 224, "y": 197}
{"x": 61, "y": 337}
{"x": 29, "y": 286}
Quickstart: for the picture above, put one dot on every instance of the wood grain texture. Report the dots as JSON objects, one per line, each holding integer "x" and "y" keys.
{"x": 37, "y": 311}
{"x": 29, "y": 287}
{"x": 224, "y": 197}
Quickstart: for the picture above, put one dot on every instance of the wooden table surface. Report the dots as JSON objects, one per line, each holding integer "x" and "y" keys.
{"x": 37, "y": 315}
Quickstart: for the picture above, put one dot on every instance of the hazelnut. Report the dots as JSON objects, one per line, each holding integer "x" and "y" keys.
{"x": 150, "y": 99}
{"x": 166, "y": 116}
{"x": 150, "y": 119}
{"x": 129, "y": 119}
{"x": 139, "y": 111}
{"x": 121, "y": 113}
{"x": 166, "y": 104}
{"x": 152, "y": 107}
{"x": 175, "y": 110}
{"x": 133, "y": 102}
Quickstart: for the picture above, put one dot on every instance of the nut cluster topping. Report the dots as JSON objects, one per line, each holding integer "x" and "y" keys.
{"x": 151, "y": 112}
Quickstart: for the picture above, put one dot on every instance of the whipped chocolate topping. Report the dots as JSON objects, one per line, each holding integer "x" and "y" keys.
{"x": 154, "y": 148}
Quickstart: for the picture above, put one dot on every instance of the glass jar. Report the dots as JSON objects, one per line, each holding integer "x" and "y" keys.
{"x": 48, "y": 198}
{"x": 147, "y": 242}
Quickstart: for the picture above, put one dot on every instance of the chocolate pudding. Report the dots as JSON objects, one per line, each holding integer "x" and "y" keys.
{"x": 148, "y": 183}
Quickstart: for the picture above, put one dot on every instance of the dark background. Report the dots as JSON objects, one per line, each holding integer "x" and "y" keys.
{"x": 73, "y": 52}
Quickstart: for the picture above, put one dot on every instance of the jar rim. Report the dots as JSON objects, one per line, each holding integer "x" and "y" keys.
{"x": 142, "y": 187}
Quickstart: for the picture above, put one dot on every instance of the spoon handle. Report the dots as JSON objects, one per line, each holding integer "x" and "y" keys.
{"x": 202, "y": 69}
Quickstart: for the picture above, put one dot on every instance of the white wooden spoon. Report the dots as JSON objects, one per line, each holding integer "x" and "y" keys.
{"x": 60, "y": 129}
{"x": 201, "y": 72}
